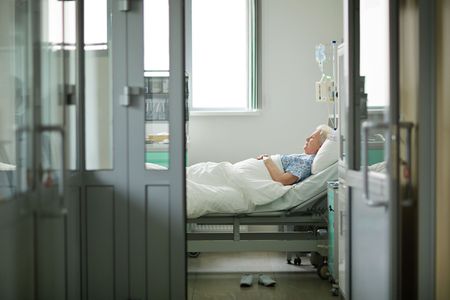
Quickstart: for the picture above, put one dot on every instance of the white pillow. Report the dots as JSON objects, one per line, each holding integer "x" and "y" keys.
{"x": 326, "y": 156}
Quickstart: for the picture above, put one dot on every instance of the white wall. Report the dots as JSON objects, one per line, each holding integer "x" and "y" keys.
{"x": 290, "y": 31}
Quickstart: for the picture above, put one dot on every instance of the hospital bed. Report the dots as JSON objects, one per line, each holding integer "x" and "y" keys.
{"x": 303, "y": 208}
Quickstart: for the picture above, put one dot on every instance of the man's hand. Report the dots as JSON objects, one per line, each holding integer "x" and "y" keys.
{"x": 262, "y": 156}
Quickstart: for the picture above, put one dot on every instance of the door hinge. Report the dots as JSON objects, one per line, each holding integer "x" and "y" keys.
{"x": 70, "y": 94}
{"x": 129, "y": 91}
{"x": 124, "y": 5}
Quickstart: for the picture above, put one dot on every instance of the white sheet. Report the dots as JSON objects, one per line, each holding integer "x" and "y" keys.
{"x": 302, "y": 191}
{"x": 231, "y": 188}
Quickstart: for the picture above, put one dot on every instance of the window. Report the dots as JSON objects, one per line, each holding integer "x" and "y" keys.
{"x": 222, "y": 42}
{"x": 59, "y": 33}
{"x": 374, "y": 60}
{"x": 221, "y": 47}
{"x": 221, "y": 57}
{"x": 156, "y": 36}
{"x": 95, "y": 33}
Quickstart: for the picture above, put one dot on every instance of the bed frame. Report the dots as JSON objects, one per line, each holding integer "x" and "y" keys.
{"x": 299, "y": 230}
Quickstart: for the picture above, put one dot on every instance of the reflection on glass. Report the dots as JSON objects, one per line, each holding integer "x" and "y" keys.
{"x": 54, "y": 49}
{"x": 156, "y": 35}
{"x": 70, "y": 86}
{"x": 61, "y": 45}
{"x": 157, "y": 121}
{"x": 156, "y": 78}
{"x": 374, "y": 75}
{"x": 10, "y": 106}
{"x": 374, "y": 51}
{"x": 343, "y": 106}
{"x": 51, "y": 160}
{"x": 156, "y": 146}
{"x": 15, "y": 116}
{"x": 98, "y": 102}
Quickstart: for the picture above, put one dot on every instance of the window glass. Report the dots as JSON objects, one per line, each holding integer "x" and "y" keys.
{"x": 156, "y": 35}
{"x": 98, "y": 103}
{"x": 374, "y": 80}
{"x": 95, "y": 24}
{"x": 220, "y": 54}
{"x": 13, "y": 112}
{"x": 156, "y": 78}
{"x": 98, "y": 98}
{"x": 374, "y": 51}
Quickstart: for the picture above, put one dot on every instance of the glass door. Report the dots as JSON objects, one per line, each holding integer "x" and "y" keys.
{"x": 155, "y": 105}
{"x": 371, "y": 147}
{"x": 372, "y": 204}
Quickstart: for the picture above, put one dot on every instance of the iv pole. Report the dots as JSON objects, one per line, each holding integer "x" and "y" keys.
{"x": 334, "y": 49}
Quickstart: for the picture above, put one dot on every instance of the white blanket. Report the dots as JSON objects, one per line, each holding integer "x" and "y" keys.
{"x": 230, "y": 188}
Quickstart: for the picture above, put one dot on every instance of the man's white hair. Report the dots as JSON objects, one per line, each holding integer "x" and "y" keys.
{"x": 324, "y": 131}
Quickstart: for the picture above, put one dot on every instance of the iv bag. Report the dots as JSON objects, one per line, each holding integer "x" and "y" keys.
{"x": 320, "y": 55}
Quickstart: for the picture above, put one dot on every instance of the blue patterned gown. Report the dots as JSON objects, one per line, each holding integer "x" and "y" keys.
{"x": 297, "y": 164}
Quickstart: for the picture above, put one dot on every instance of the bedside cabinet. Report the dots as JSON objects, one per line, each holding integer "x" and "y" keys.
{"x": 333, "y": 231}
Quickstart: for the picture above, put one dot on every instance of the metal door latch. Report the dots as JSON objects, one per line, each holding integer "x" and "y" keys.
{"x": 124, "y": 5}
{"x": 128, "y": 92}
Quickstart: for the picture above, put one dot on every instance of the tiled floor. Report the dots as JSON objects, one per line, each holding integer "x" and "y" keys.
{"x": 217, "y": 276}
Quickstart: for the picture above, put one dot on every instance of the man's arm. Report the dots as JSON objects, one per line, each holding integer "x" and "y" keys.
{"x": 278, "y": 175}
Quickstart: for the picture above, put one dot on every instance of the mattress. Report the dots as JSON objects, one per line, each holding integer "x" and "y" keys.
{"x": 303, "y": 191}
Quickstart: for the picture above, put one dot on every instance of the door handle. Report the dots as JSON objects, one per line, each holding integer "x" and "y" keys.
{"x": 365, "y": 127}
{"x": 21, "y": 173}
{"x": 19, "y": 131}
{"x": 61, "y": 187}
{"x": 408, "y": 201}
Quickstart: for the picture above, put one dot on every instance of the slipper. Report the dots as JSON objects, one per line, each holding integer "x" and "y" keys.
{"x": 246, "y": 280}
{"x": 266, "y": 280}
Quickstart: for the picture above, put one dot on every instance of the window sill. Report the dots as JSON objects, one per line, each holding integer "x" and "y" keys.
{"x": 224, "y": 113}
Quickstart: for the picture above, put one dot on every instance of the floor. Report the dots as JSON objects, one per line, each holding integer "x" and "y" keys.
{"x": 217, "y": 276}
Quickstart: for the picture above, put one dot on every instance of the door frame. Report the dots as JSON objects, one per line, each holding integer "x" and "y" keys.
{"x": 427, "y": 150}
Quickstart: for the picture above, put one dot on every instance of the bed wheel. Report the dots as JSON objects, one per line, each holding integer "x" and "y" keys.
{"x": 297, "y": 261}
{"x": 316, "y": 259}
{"x": 193, "y": 254}
{"x": 335, "y": 291}
{"x": 322, "y": 271}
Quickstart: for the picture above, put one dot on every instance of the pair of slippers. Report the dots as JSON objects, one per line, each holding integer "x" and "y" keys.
{"x": 265, "y": 280}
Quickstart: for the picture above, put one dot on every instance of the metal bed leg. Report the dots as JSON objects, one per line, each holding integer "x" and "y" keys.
{"x": 291, "y": 257}
{"x": 236, "y": 229}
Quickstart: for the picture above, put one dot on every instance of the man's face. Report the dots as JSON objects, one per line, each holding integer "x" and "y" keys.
{"x": 312, "y": 143}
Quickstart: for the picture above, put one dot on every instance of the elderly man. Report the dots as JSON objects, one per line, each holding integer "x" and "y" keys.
{"x": 297, "y": 167}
